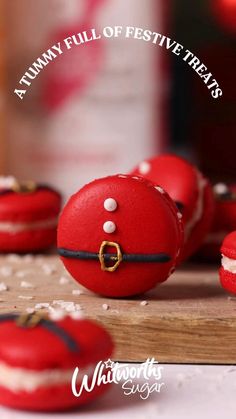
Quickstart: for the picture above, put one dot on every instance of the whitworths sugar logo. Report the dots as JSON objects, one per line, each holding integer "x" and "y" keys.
{"x": 149, "y": 373}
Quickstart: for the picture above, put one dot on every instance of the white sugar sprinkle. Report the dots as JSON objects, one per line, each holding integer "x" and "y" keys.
{"x": 20, "y": 274}
{"x": 13, "y": 257}
{"x": 180, "y": 216}
{"x": 144, "y": 303}
{"x": 25, "y": 284}
{"x": 48, "y": 269}
{"x": 63, "y": 280}
{"x": 105, "y": 307}
{"x": 68, "y": 306}
{"x": 41, "y": 305}
{"x": 30, "y": 310}
{"x": 77, "y": 315}
{"x": 3, "y": 286}
{"x": 77, "y": 292}
{"x": 28, "y": 258}
{"x": 25, "y": 297}
{"x": 6, "y": 271}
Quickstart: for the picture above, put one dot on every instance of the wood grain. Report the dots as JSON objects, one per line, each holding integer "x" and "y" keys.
{"x": 188, "y": 319}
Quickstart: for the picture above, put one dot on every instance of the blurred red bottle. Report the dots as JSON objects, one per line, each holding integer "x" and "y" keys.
{"x": 99, "y": 107}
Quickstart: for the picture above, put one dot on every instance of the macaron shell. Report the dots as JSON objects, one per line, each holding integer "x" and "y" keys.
{"x": 38, "y": 348}
{"x": 224, "y": 222}
{"x": 41, "y": 204}
{"x": 28, "y": 241}
{"x": 183, "y": 182}
{"x": 228, "y": 247}
{"x": 177, "y": 177}
{"x": 146, "y": 223}
{"x": 228, "y": 280}
{"x": 49, "y": 399}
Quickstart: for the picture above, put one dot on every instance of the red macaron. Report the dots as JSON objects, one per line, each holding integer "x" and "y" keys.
{"x": 189, "y": 189}
{"x": 228, "y": 263}
{"x": 38, "y": 358}
{"x": 28, "y": 216}
{"x": 224, "y": 221}
{"x": 120, "y": 236}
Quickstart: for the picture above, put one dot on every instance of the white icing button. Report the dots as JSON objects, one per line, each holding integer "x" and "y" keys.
{"x": 159, "y": 189}
{"x": 109, "y": 227}
{"x": 220, "y": 188}
{"x": 144, "y": 167}
{"x": 110, "y": 204}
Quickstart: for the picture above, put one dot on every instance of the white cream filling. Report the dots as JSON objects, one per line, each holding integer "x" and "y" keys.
{"x": 20, "y": 379}
{"x": 197, "y": 215}
{"x": 11, "y": 227}
{"x": 228, "y": 264}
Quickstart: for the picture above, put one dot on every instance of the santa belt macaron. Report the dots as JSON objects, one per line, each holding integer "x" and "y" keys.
{"x": 117, "y": 257}
{"x": 34, "y": 320}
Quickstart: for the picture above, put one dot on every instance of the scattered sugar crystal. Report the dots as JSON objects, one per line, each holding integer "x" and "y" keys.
{"x": 77, "y": 292}
{"x": 68, "y": 306}
{"x": 76, "y": 315}
{"x": 20, "y": 274}
{"x": 28, "y": 258}
{"x": 12, "y": 257}
{"x": 105, "y": 307}
{"x": 57, "y": 314}
{"x": 3, "y": 286}
{"x": 6, "y": 271}
{"x": 30, "y": 310}
{"x": 144, "y": 303}
{"x": 38, "y": 306}
{"x": 25, "y": 284}
{"x": 63, "y": 280}
{"x": 25, "y": 297}
{"x": 48, "y": 269}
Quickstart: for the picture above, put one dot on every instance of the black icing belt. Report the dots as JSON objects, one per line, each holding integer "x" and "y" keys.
{"x": 50, "y": 326}
{"x": 109, "y": 257}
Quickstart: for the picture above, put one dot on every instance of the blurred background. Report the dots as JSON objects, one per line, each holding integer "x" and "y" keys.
{"x": 102, "y": 107}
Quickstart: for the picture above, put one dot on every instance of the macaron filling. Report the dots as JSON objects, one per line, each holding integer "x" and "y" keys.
{"x": 20, "y": 379}
{"x": 13, "y": 228}
{"x": 228, "y": 264}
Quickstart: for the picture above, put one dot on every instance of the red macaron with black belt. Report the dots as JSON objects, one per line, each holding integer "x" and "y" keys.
{"x": 39, "y": 356}
{"x": 120, "y": 236}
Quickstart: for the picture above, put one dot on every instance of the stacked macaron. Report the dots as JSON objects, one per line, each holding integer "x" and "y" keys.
{"x": 38, "y": 358}
{"x": 224, "y": 221}
{"x": 28, "y": 215}
{"x": 228, "y": 263}
{"x": 189, "y": 189}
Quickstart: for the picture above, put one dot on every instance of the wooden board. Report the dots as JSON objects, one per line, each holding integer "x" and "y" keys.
{"x": 188, "y": 319}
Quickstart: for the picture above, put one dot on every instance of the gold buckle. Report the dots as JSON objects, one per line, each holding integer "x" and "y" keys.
{"x": 117, "y": 258}
{"x": 24, "y": 187}
{"x": 30, "y": 320}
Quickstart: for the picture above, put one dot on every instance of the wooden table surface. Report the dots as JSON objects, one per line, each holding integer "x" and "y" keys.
{"x": 188, "y": 319}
